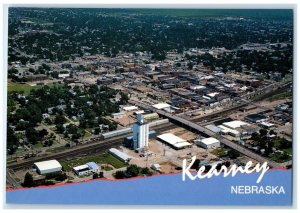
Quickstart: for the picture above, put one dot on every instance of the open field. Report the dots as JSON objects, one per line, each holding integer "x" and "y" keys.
{"x": 16, "y": 87}
{"x": 25, "y": 88}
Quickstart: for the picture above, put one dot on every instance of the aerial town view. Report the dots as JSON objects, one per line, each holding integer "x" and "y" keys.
{"x": 97, "y": 93}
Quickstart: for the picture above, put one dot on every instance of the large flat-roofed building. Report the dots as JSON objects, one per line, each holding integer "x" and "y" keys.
{"x": 46, "y": 167}
{"x": 120, "y": 155}
{"x": 235, "y": 124}
{"x": 225, "y": 130}
{"x": 255, "y": 118}
{"x": 173, "y": 141}
{"x": 237, "y": 128}
{"x": 161, "y": 106}
{"x": 208, "y": 143}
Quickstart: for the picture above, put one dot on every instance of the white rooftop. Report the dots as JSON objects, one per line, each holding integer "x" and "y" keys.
{"x": 120, "y": 154}
{"x": 130, "y": 108}
{"x": 234, "y": 124}
{"x": 50, "y": 164}
{"x": 81, "y": 167}
{"x": 139, "y": 112}
{"x": 213, "y": 94}
{"x": 161, "y": 105}
{"x": 174, "y": 140}
{"x": 209, "y": 141}
{"x": 268, "y": 124}
{"x": 197, "y": 87}
{"x": 226, "y": 130}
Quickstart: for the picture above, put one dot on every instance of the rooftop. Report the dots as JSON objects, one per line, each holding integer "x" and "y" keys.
{"x": 209, "y": 141}
{"x": 234, "y": 124}
{"x": 43, "y": 165}
{"x": 161, "y": 105}
{"x": 174, "y": 140}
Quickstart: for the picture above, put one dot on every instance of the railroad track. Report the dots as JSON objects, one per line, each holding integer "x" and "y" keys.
{"x": 99, "y": 146}
{"x": 90, "y": 147}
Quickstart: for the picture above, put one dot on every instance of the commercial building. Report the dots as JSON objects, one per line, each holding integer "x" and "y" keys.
{"x": 228, "y": 131}
{"x": 213, "y": 128}
{"x": 130, "y": 108}
{"x": 82, "y": 170}
{"x": 237, "y": 128}
{"x": 161, "y": 106}
{"x": 173, "y": 141}
{"x": 266, "y": 125}
{"x": 255, "y": 118}
{"x": 208, "y": 143}
{"x": 140, "y": 133}
{"x": 120, "y": 155}
{"x": 86, "y": 169}
{"x": 46, "y": 167}
{"x": 235, "y": 124}
{"x": 118, "y": 115}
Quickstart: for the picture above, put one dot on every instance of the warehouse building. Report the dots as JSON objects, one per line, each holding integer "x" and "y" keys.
{"x": 208, "y": 143}
{"x": 255, "y": 118}
{"x": 235, "y": 124}
{"x": 47, "y": 167}
{"x": 173, "y": 141}
{"x": 120, "y": 155}
{"x": 228, "y": 131}
{"x": 88, "y": 168}
{"x": 237, "y": 128}
{"x": 213, "y": 128}
{"x": 162, "y": 106}
{"x": 82, "y": 170}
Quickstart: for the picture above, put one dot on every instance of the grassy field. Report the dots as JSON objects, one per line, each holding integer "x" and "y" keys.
{"x": 16, "y": 87}
{"x": 101, "y": 158}
{"x": 25, "y": 88}
{"x": 38, "y": 145}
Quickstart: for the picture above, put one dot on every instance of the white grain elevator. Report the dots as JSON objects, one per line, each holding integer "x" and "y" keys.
{"x": 140, "y": 133}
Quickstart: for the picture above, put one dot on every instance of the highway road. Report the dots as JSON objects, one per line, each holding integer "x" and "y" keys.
{"x": 191, "y": 124}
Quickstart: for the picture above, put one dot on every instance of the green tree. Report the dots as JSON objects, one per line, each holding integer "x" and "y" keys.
{"x": 133, "y": 170}
{"x": 233, "y": 154}
{"x": 28, "y": 180}
{"x": 263, "y": 132}
{"x": 120, "y": 175}
{"x": 59, "y": 119}
{"x": 101, "y": 175}
{"x": 60, "y": 128}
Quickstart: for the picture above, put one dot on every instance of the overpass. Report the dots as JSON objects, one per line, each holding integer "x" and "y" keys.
{"x": 223, "y": 140}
